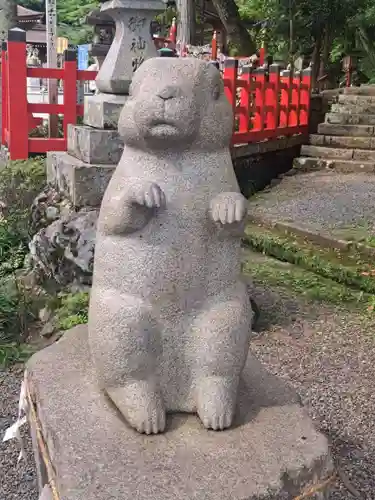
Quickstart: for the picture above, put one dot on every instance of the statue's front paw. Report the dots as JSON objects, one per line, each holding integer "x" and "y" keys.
{"x": 150, "y": 195}
{"x": 228, "y": 208}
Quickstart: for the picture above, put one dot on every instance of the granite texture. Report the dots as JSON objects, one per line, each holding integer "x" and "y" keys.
{"x": 83, "y": 183}
{"x": 132, "y": 44}
{"x": 94, "y": 146}
{"x": 272, "y": 451}
{"x": 102, "y": 111}
{"x": 170, "y": 318}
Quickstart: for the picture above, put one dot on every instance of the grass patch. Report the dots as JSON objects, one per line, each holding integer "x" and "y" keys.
{"x": 304, "y": 283}
{"x": 344, "y": 268}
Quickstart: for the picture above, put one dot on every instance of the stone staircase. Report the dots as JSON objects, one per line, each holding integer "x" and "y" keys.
{"x": 346, "y": 140}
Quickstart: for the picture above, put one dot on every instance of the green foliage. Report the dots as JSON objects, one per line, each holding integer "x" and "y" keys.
{"x": 71, "y": 16}
{"x": 13, "y": 352}
{"x": 71, "y": 310}
{"x": 16, "y": 310}
{"x": 20, "y": 182}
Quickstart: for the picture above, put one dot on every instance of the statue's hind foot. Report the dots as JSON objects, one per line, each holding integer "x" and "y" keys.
{"x": 141, "y": 404}
{"x": 216, "y": 401}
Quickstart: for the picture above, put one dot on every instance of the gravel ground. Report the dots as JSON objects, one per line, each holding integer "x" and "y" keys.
{"x": 320, "y": 200}
{"x": 18, "y": 481}
{"x": 328, "y": 355}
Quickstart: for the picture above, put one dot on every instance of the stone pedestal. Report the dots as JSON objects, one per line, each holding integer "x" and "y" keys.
{"x": 272, "y": 452}
{"x": 94, "y": 149}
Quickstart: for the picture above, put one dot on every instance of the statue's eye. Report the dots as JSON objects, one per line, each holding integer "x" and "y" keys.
{"x": 216, "y": 92}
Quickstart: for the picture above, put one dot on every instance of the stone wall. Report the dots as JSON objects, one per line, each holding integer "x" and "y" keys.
{"x": 256, "y": 165}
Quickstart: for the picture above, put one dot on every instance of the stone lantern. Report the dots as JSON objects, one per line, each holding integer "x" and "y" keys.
{"x": 104, "y": 32}
{"x": 133, "y": 42}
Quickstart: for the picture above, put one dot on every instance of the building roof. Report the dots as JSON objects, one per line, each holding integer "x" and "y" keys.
{"x": 37, "y": 35}
{"x": 23, "y": 12}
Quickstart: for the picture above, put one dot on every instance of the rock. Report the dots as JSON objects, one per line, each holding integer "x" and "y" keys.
{"x": 64, "y": 250}
{"x": 45, "y": 314}
{"x": 47, "y": 207}
{"x": 47, "y": 330}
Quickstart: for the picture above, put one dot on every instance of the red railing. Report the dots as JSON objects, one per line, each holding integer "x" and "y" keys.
{"x": 17, "y": 112}
{"x": 267, "y": 103}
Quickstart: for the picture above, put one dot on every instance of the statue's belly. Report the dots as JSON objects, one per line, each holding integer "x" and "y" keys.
{"x": 175, "y": 259}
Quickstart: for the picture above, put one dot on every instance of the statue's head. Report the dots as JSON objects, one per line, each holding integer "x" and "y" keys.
{"x": 177, "y": 103}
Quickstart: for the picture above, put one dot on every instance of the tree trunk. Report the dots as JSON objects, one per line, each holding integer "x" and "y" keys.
{"x": 327, "y": 45}
{"x": 315, "y": 59}
{"x": 8, "y": 17}
{"x": 239, "y": 40}
{"x": 186, "y": 21}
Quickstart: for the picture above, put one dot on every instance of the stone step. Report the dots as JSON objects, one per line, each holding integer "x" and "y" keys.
{"x": 338, "y": 153}
{"x": 367, "y": 90}
{"x": 362, "y": 100}
{"x": 340, "y": 141}
{"x": 350, "y": 119}
{"x": 324, "y": 152}
{"x": 92, "y": 145}
{"x": 346, "y": 130}
{"x": 352, "y": 108}
{"x": 309, "y": 164}
{"x": 83, "y": 183}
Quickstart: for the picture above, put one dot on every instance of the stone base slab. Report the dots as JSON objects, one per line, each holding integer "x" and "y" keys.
{"x": 103, "y": 110}
{"x": 93, "y": 145}
{"x": 272, "y": 452}
{"x": 83, "y": 183}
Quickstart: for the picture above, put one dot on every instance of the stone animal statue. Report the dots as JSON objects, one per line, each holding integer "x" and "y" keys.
{"x": 170, "y": 318}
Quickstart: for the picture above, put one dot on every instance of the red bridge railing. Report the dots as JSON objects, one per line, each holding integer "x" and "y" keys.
{"x": 267, "y": 103}
{"x": 17, "y": 113}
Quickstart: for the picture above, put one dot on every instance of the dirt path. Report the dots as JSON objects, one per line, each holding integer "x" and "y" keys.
{"x": 328, "y": 355}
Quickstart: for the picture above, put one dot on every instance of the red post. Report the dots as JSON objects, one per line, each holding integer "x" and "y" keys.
{"x": 262, "y": 55}
{"x": 4, "y": 97}
{"x": 214, "y": 46}
{"x": 294, "y": 108}
{"x": 285, "y": 82}
{"x": 272, "y": 97}
{"x": 70, "y": 90}
{"x": 305, "y": 97}
{"x": 260, "y": 87}
{"x": 245, "y": 104}
{"x": 230, "y": 81}
{"x": 17, "y": 119}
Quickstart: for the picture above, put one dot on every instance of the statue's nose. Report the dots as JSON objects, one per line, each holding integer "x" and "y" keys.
{"x": 167, "y": 93}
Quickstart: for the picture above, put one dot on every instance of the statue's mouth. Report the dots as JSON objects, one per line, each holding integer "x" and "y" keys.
{"x": 163, "y": 128}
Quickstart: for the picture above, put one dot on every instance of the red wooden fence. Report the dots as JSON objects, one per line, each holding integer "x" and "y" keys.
{"x": 17, "y": 112}
{"x": 267, "y": 103}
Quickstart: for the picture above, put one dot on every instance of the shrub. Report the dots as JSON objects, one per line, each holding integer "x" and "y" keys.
{"x": 72, "y": 310}
{"x": 20, "y": 182}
